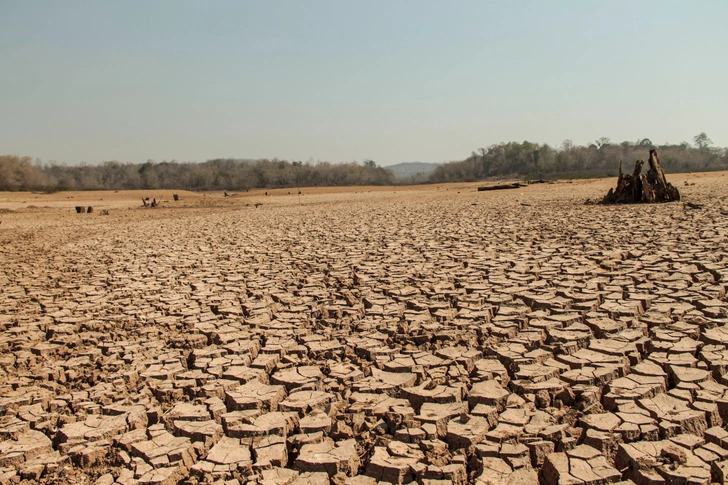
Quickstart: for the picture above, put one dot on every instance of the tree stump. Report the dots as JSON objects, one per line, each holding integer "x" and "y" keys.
{"x": 649, "y": 188}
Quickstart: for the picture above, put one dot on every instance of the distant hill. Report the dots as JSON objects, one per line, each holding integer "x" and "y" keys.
{"x": 408, "y": 170}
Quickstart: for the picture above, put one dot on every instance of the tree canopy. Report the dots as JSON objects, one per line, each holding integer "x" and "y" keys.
{"x": 18, "y": 173}
{"x": 601, "y": 158}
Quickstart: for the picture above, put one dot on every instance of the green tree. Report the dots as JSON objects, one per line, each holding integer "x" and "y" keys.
{"x": 645, "y": 143}
{"x": 702, "y": 142}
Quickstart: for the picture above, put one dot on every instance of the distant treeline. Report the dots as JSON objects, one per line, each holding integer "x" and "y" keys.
{"x": 18, "y": 173}
{"x": 522, "y": 160}
{"x": 534, "y": 161}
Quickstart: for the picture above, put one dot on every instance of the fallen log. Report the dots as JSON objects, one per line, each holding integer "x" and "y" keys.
{"x": 647, "y": 188}
{"x": 501, "y": 187}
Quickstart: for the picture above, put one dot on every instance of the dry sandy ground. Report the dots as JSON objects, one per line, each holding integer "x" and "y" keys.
{"x": 353, "y": 335}
{"x": 16, "y": 207}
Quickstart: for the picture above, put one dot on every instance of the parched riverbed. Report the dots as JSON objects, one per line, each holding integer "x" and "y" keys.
{"x": 350, "y": 336}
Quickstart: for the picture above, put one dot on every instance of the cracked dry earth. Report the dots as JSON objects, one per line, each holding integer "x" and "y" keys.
{"x": 434, "y": 335}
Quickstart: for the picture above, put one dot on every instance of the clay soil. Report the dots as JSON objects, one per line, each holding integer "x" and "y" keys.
{"x": 429, "y": 334}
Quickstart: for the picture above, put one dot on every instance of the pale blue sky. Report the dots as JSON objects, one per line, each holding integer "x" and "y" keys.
{"x": 346, "y": 80}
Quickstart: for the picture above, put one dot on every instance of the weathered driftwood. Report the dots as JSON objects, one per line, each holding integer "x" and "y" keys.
{"x": 637, "y": 187}
{"x": 501, "y": 187}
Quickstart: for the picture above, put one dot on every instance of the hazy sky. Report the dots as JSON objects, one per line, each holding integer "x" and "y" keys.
{"x": 345, "y": 80}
